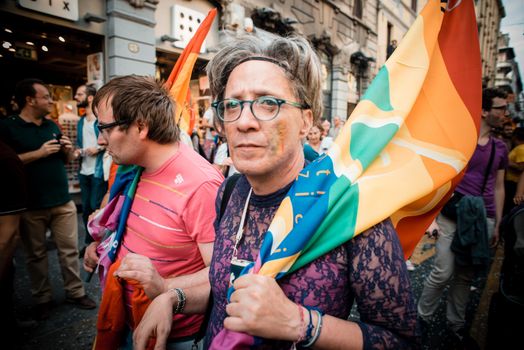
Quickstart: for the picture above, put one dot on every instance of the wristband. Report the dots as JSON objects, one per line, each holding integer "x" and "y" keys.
{"x": 317, "y": 331}
{"x": 181, "y": 297}
{"x": 310, "y": 327}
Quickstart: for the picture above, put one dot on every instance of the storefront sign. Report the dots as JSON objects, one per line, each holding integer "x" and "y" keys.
{"x": 67, "y": 9}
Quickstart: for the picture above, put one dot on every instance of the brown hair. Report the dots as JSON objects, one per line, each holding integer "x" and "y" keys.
{"x": 141, "y": 99}
{"x": 294, "y": 54}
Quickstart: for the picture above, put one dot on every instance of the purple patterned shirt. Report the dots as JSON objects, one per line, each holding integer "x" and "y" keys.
{"x": 369, "y": 269}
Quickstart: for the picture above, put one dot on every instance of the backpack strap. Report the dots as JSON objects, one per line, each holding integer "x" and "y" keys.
{"x": 228, "y": 189}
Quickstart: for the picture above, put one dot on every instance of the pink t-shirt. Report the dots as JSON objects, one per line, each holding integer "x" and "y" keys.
{"x": 174, "y": 210}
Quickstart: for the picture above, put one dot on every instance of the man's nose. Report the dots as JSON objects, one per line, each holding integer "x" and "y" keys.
{"x": 101, "y": 139}
{"x": 246, "y": 118}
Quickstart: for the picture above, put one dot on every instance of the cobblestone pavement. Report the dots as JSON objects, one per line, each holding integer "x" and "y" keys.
{"x": 72, "y": 328}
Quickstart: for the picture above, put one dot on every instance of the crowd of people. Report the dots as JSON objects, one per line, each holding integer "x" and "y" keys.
{"x": 179, "y": 232}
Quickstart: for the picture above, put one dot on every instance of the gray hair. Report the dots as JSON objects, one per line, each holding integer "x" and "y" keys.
{"x": 300, "y": 62}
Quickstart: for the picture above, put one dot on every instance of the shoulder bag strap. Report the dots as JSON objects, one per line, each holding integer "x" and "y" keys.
{"x": 490, "y": 163}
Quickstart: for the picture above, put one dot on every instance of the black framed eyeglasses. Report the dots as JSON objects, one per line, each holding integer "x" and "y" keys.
{"x": 109, "y": 126}
{"x": 264, "y": 108}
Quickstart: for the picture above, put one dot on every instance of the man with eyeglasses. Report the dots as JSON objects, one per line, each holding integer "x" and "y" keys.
{"x": 44, "y": 152}
{"x": 168, "y": 237}
{"x": 484, "y": 178}
{"x": 268, "y": 94}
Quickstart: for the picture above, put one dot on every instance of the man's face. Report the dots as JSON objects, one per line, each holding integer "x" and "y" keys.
{"x": 264, "y": 148}
{"x": 122, "y": 145}
{"x": 496, "y": 116}
{"x": 336, "y": 121}
{"x": 326, "y": 125}
{"x": 81, "y": 97}
{"x": 42, "y": 103}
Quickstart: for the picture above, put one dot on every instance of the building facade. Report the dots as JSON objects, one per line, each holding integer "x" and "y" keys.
{"x": 107, "y": 38}
{"x": 489, "y": 15}
{"x": 508, "y": 78}
{"x": 394, "y": 18}
{"x": 343, "y": 32}
{"x": 67, "y": 44}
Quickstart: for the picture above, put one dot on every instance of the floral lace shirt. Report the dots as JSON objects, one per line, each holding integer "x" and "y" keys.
{"x": 369, "y": 270}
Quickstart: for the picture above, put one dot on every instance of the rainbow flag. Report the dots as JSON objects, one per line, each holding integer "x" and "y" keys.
{"x": 178, "y": 81}
{"x": 109, "y": 224}
{"x": 398, "y": 156}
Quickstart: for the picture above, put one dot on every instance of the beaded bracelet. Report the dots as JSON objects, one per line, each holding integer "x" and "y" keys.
{"x": 181, "y": 297}
{"x": 310, "y": 327}
{"x": 317, "y": 331}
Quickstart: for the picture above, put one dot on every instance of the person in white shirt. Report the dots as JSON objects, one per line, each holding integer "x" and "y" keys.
{"x": 91, "y": 175}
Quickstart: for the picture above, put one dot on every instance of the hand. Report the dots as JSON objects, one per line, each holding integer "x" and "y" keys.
{"x": 92, "y": 215}
{"x": 66, "y": 143}
{"x": 91, "y": 151}
{"x": 260, "y": 308}
{"x": 91, "y": 257}
{"x": 156, "y": 321}
{"x": 518, "y": 199}
{"x": 77, "y": 153}
{"x": 141, "y": 269}
{"x": 495, "y": 238}
{"x": 49, "y": 147}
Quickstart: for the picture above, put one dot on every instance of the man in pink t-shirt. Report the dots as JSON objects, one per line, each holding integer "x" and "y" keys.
{"x": 169, "y": 235}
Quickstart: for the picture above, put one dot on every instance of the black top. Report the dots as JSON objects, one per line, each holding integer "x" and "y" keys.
{"x": 46, "y": 177}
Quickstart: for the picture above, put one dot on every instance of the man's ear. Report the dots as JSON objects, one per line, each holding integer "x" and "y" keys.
{"x": 484, "y": 113}
{"x": 29, "y": 100}
{"x": 143, "y": 130}
{"x": 90, "y": 99}
{"x": 307, "y": 118}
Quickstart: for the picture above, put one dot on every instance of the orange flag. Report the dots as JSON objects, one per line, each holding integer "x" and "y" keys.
{"x": 178, "y": 81}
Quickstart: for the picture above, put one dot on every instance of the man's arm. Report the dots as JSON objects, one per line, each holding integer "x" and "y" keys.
{"x": 141, "y": 269}
{"x": 519, "y": 195}
{"x": 47, "y": 148}
{"x": 158, "y": 318}
{"x": 499, "y": 203}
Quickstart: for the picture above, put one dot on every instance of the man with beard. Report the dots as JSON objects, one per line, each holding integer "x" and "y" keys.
{"x": 91, "y": 175}
{"x": 44, "y": 151}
